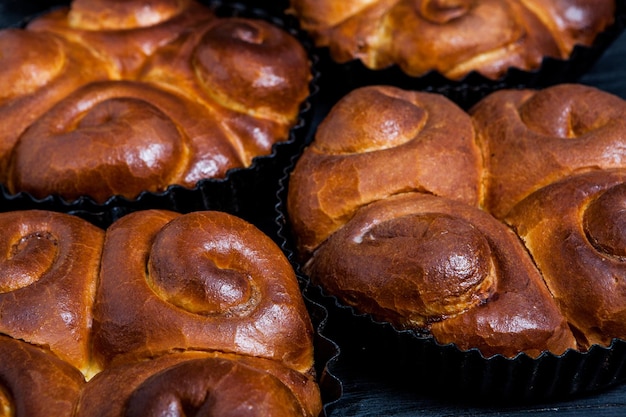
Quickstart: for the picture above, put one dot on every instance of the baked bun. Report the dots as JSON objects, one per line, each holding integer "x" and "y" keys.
{"x": 116, "y": 99}
{"x": 215, "y": 383}
{"x": 425, "y": 262}
{"x": 530, "y": 138}
{"x": 202, "y": 308}
{"x": 48, "y": 281}
{"x": 376, "y": 142}
{"x": 446, "y": 261}
{"x": 35, "y": 383}
{"x": 124, "y": 33}
{"x": 574, "y": 229}
{"x": 37, "y": 71}
{"x": 454, "y": 37}
{"x": 248, "y": 72}
{"x": 120, "y": 138}
{"x": 191, "y": 277}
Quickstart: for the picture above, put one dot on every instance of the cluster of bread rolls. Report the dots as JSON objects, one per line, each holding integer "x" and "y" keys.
{"x": 500, "y": 228}
{"x": 161, "y": 311}
{"x": 453, "y": 37}
{"x": 105, "y": 99}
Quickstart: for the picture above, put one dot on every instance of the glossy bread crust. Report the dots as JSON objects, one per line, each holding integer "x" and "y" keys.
{"x": 38, "y": 70}
{"x": 575, "y": 231}
{"x": 426, "y": 262}
{"x": 530, "y": 138}
{"x": 191, "y": 277}
{"x": 379, "y": 141}
{"x": 123, "y": 33}
{"x": 448, "y": 263}
{"x": 453, "y": 37}
{"x": 48, "y": 279}
{"x": 200, "y": 381}
{"x": 120, "y": 138}
{"x": 114, "y": 99}
{"x": 249, "y": 74}
{"x": 202, "y": 308}
{"x": 34, "y": 382}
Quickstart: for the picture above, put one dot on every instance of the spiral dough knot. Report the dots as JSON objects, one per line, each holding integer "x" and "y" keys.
{"x": 605, "y": 222}
{"x": 47, "y": 281}
{"x": 556, "y": 113}
{"x": 30, "y": 256}
{"x": 443, "y": 11}
{"x": 442, "y": 264}
{"x": 212, "y": 387}
{"x": 575, "y": 230}
{"x": 371, "y": 120}
{"x": 448, "y": 281}
{"x": 119, "y": 138}
{"x": 531, "y": 138}
{"x": 252, "y": 67}
{"x": 379, "y": 141}
{"x": 214, "y": 280}
{"x": 207, "y": 280}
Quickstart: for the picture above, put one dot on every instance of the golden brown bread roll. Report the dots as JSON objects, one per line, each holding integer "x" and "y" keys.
{"x": 575, "y": 232}
{"x": 120, "y": 138}
{"x": 210, "y": 315}
{"x": 200, "y": 281}
{"x": 376, "y": 142}
{"x": 163, "y": 92}
{"x": 447, "y": 264}
{"x": 124, "y": 33}
{"x": 248, "y": 72}
{"x": 37, "y": 71}
{"x": 425, "y": 262}
{"x": 574, "y": 22}
{"x": 35, "y": 383}
{"x": 530, "y": 138}
{"x": 48, "y": 281}
{"x": 211, "y": 383}
{"x": 453, "y": 37}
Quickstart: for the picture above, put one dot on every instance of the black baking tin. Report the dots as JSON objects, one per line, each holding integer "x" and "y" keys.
{"x": 414, "y": 360}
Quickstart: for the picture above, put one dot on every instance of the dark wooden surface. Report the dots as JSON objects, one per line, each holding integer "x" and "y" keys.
{"x": 366, "y": 395}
